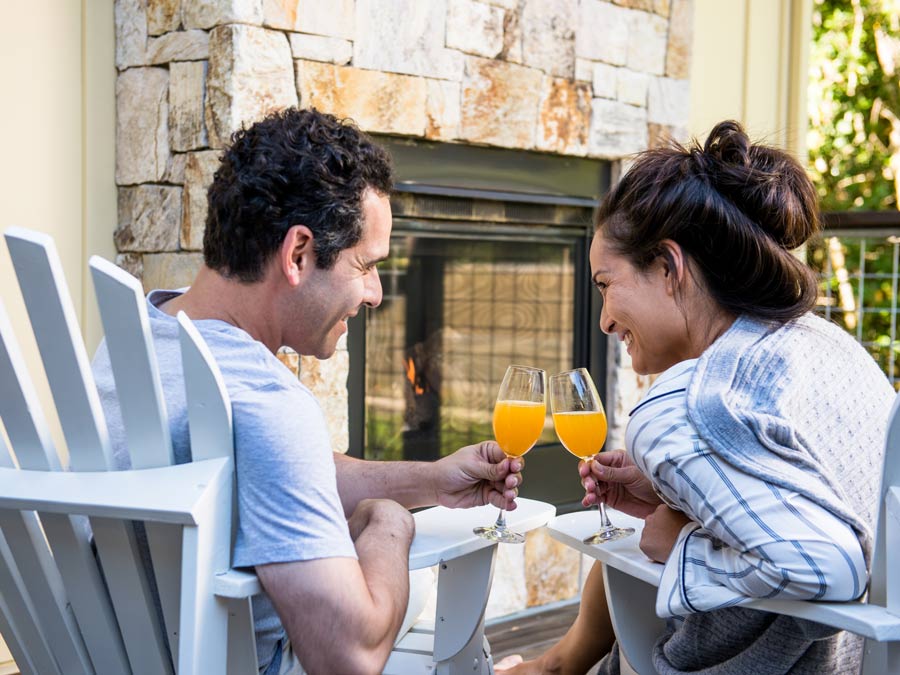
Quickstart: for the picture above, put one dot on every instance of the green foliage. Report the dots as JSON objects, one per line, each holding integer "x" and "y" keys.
{"x": 854, "y": 103}
{"x": 854, "y": 157}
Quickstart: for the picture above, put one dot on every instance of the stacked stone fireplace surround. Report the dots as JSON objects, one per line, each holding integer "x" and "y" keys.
{"x": 587, "y": 78}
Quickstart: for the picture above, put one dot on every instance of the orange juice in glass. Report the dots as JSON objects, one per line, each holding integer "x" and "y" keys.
{"x": 517, "y": 425}
{"x": 519, "y": 415}
{"x": 581, "y": 432}
{"x": 580, "y": 423}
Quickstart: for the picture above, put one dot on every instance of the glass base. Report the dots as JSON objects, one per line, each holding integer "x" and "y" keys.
{"x": 501, "y": 534}
{"x": 609, "y": 534}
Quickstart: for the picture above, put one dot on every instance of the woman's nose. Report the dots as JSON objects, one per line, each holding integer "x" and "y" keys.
{"x": 607, "y": 325}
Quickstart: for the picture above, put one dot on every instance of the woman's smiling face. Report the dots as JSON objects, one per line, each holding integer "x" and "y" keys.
{"x": 640, "y": 308}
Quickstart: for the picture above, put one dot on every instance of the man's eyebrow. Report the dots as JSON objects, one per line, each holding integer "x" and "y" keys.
{"x": 370, "y": 262}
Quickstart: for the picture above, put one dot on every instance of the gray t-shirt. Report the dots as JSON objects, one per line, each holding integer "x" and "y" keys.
{"x": 288, "y": 503}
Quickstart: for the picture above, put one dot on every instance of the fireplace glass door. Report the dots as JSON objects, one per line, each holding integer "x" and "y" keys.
{"x": 463, "y": 299}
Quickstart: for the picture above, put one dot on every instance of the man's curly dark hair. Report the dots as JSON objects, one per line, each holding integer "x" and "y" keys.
{"x": 295, "y": 167}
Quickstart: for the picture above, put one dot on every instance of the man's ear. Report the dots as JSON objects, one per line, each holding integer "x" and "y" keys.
{"x": 296, "y": 255}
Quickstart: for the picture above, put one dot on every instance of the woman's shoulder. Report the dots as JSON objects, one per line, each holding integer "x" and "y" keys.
{"x": 669, "y": 386}
{"x": 806, "y": 350}
{"x": 676, "y": 375}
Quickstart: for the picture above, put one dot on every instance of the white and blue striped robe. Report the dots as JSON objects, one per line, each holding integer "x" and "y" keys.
{"x": 748, "y": 538}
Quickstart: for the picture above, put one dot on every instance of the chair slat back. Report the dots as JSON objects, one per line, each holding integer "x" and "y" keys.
{"x": 43, "y": 581}
{"x": 6, "y": 461}
{"x": 74, "y": 566}
{"x": 39, "y": 271}
{"x": 20, "y": 410}
{"x": 25, "y": 631}
{"x": 58, "y": 614}
{"x": 132, "y": 597}
{"x": 878, "y": 654}
{"x": 203, "y": 623}
{"x": 890, "y": 477}
{"x": 139, "y": 392}
{"x": 14, "y": 642}
{"x": 209, "y": 407}
{"x": 126, "y": 326}
{"x": 86, "y": 591}
{"x": 52, "y": 316}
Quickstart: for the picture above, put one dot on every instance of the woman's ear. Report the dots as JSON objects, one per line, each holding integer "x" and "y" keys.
{"x": 296, "y": 254}
{"x": 674, "y": 265}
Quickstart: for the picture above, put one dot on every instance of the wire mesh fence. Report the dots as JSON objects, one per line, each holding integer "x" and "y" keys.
{"x": 858, "y": 274}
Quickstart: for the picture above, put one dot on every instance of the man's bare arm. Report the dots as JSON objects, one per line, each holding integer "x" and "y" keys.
{"x": 342, "y": 615}
{"x": 472, "y": 476}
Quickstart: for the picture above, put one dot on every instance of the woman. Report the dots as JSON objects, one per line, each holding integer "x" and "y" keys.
{"x": 755, "y": 456}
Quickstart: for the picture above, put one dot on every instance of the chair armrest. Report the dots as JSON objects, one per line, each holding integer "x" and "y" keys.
{"x": 236, "y": 585}
{"x": 623, "y": 554}
{"x": 441, "y": 534}
{"x": 445, "y": 534}
{"x": 872, "y": 621}
{"x": 134, "y": 494}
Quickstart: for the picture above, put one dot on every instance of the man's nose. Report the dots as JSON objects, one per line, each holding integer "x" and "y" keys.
{"x": 374, "y": 292}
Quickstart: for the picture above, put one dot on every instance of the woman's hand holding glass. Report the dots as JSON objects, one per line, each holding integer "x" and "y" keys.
{"x": 519, "y": 415}
{"x": 580, "y": 423}
{"x": 612, "y": 477}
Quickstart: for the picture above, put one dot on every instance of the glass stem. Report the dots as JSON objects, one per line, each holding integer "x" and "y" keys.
{"x": 605, "y": 523}
{"x": 501, "y": 520}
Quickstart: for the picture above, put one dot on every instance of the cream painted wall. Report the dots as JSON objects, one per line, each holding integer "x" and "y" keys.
{"x": 99, "y": 210}
{"x": 749, "y": 63}
{"x": 57, "y": 174}
{"x": 58, "y": 120}
{"x": 40, "y": 175}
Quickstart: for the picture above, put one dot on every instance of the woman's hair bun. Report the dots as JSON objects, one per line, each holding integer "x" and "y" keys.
{"x": 728, "y": 143}
{"x": 768, "y": 185}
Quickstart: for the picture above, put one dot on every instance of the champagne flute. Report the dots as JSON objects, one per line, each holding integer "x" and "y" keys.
{"x": 580, "y": 423}
{"x": 519, "y": 415}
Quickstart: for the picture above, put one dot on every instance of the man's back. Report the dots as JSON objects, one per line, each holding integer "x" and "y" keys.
{"x": 288, "y": 505}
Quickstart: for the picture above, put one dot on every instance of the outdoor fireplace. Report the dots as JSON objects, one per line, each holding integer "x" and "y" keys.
{"x": 488, "y": 267}
{"x": 506, "y": 99}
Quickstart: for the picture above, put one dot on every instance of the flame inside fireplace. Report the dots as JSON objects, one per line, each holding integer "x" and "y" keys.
{"x": 410, "y": 367}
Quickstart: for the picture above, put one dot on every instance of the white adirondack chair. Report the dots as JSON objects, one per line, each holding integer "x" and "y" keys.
{"x": 71, "y": 604}
{"x": 632, "y": 580}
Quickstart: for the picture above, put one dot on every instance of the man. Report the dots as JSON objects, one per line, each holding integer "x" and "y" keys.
{"x": 298, "y": 219}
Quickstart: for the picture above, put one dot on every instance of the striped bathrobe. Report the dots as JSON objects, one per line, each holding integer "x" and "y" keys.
{"x": 771, "y": 443}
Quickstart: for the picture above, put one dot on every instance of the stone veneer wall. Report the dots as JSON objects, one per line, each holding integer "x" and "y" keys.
{"x": 593, "y": 78}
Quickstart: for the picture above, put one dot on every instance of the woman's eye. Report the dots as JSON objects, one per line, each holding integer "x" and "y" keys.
{"x": 600, "y": 286}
